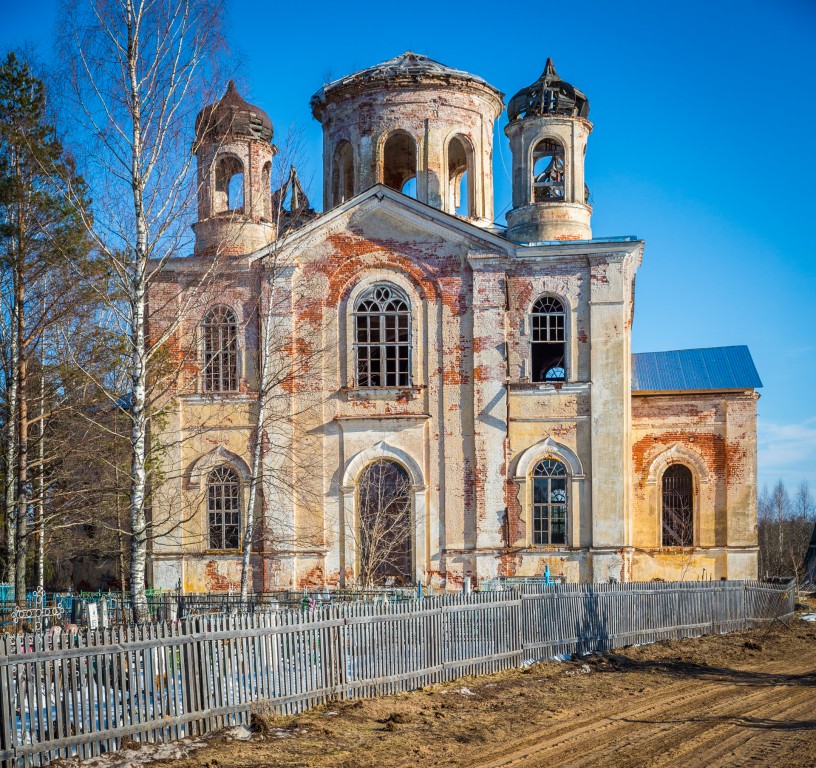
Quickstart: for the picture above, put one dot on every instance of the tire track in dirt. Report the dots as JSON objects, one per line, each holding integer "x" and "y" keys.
{"x": 759, "y": 742}
{"x": 695, "y": 740}
{"x": 560, "y": 735}
{"x": 597, "y": 736}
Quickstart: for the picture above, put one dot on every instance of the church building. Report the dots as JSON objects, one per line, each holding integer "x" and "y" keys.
{"x": 434, "y": 398}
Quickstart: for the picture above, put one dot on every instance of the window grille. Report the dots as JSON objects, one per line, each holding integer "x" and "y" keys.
{"x": 382, "y": 333}
{"x": 220, "y": 369}
{"x": 678, "y": 507}
{"x": 549, "y": 502}
{"x": 548, "y": 340}
{"x": 223, "y": 509}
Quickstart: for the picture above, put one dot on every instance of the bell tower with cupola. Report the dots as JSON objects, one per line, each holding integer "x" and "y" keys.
{"x": 234, "y": 156}
{"x": 548, "y": 130}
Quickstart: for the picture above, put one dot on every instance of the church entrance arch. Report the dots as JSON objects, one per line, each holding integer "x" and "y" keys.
{"x": 384, "y": 504}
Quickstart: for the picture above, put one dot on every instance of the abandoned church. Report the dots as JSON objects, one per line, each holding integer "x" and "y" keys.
{"x": 432, "y": 397}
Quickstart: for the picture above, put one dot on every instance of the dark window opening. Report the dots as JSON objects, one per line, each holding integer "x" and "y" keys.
{"x": 220, "y": 369}
{"x": 266, "y": 190}
{"x": 548, "y": 171}
{"x": 382, "y": 338}
{"x": 223, "y": 509}
{"x": 678, "y": 507}
{"x": 550, "y": 502}
{"x": 548, "y": 340}
{"x": 400, "y": 163}
{"x": 229, "y": 185}
{"x": 383, "y": 494}
{"x": 343, "y": 173}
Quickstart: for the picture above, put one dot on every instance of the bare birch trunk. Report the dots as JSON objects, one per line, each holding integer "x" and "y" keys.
{"x": 138, "y": 412}
{"x": 257, "y": 448}
{"x": 22, "y": 445}
{"x": 40, "y": 515}
{"x": 10, "y": 479}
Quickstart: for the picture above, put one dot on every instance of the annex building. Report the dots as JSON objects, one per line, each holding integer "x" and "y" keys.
{"x": 443, "y": 399}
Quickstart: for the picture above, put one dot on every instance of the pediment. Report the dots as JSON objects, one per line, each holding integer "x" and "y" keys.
{"x": 382, "y": 214}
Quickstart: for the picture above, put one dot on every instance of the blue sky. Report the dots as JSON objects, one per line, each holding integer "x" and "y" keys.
{"x": 704, "y": 116}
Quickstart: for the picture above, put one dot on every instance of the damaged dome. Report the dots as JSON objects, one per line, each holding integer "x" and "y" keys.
{"x": 549, "y": 95}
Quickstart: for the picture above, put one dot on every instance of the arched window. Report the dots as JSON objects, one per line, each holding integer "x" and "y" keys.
{"x": 223, "y": 509}
{"x": 229, "y": 184}
{"x": 548, "y": 340}
{"x": 400, "y": 163}
{"x": 266, "y": 190}
{"x": 343, "y": 173}
{"x": 548, "y": 171}
{"x": 383, "y": 493}
{"x": 549, "y": 502}
{"x": 382, "y": 338}
{"x": 678, "y": 506}
{"x": 220, "y": 332}
{"x": 459, "y": 178}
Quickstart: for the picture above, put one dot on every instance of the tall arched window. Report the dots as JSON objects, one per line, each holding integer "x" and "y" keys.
{"x": 549, "y": 502}
{"x": 223, "y": 509}
{"x": 400, "y": 163}
{"x": 678, "y": 507}
{"x": 548, "y": 171}
{"x": 229, "y": 184}
{"x": 382, "y": 338}
{"x": 220, "y": 332}
{"x": 383, "y": 494}
{"x": 548, "y": 340}
{"x": 459, "y": 178}
{"x": 266, "y": 190}
{"x": 343, "y": 173}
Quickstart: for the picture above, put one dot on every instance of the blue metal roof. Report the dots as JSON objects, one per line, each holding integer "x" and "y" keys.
{"x": 690, "y": 369}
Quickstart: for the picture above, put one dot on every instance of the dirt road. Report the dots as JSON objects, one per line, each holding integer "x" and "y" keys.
{"x": 747, "y": 699}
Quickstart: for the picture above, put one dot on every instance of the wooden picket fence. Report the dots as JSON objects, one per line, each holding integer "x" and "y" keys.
{"x": 65, "y": 695}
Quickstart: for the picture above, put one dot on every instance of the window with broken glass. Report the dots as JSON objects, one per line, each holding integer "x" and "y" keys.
{"x": 549, "y": 502}
{"x": 678, "y": 507}
{"x": 548, "y": 340}
{"x": 220, "y": 369}
{"x": 223, "y": 509}
{"x": 382, "y": 338}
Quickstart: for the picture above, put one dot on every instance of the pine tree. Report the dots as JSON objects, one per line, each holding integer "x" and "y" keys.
{"x": 42, "y": 248}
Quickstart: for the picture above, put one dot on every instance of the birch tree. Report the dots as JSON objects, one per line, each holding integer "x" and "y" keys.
{"x": 284, "y": 366}
{"x": 137, "y": 73}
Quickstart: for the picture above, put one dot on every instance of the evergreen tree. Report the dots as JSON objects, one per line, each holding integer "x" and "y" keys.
{"x": 43, "y": 247}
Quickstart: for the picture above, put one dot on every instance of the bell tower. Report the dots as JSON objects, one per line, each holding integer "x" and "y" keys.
{"x": 234, "y": 157}
{"x": 548, "y": 131}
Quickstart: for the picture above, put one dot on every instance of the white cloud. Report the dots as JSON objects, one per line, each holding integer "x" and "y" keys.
{"x": 787, "y": 450}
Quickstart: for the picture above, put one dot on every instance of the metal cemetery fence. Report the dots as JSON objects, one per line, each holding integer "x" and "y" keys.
{"x": 64, "y": 694}
{"x": 103, "y": 609}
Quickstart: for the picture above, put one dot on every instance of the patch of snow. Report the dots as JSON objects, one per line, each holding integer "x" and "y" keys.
{"x": 147, "y": 753}
{"x": 238, "y": 733}
{"x": 809, "y": 617}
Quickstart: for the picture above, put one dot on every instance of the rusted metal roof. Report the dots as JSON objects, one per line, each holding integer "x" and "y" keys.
{"x": 694, "y": 369}
{"x": 232, "y": 113}
{"x": 549, "y": 95}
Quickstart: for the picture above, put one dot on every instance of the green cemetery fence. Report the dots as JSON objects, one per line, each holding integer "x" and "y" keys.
{"x": 83, "y": 694}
